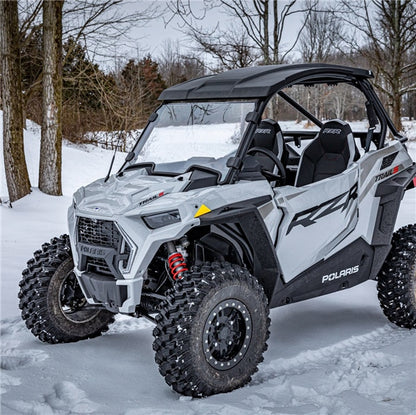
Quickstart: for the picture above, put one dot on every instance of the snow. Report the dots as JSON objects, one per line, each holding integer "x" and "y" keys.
{"x": 107, "y": 139}
{"x": 65, "y": 398}
{"x": 78, "y": 166}
{"x": 409, "y": 129}
{"x": 331, "y": 355}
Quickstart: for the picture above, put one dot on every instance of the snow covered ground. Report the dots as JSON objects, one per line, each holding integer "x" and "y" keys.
{"x": 331, "y": 355}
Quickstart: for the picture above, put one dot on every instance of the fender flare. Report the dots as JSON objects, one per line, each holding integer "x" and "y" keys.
{"x": 255, "y": 237}
{"x": 390, "y": 192}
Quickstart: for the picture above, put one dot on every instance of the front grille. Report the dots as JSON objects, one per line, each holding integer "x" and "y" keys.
{"x": 127, "y": 252}
{"x": 98, "y": 232}
{"x": 98, "y": 265}
{"x": 103, "y": 233}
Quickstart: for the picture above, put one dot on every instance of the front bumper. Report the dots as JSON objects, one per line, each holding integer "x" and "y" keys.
{"x": 113, "y": 277}
{"x": 116, "y": 295}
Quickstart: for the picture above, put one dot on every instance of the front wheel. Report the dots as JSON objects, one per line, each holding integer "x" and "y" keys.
{"x": 212, "y": 330}
{"x": 52, "y": 303}
{"x": 397, "y": 279}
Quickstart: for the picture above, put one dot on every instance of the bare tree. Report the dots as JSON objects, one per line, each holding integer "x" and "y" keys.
{"x": 263, "y": 22}
{"x": 94, "y": 22}
{"x": 319, "y": 42}
{"x": 389, "y": 29}
{"x": 176, "y": 67}
{"x": 51, "y": 140}
{"x": 323, "y": 32}
{"x": 231, "y": 48}
{"x": 13, "y": 148}
{"x": 98, "y": 24}
{"x": 101, "y": 23}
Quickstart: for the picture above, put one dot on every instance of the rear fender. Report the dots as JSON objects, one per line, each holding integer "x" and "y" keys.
{"x": 412, "y": 183}
{"x": 390, "y": 192}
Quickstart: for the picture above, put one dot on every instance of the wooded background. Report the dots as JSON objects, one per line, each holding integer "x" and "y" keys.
{"x": 51, "y": 73}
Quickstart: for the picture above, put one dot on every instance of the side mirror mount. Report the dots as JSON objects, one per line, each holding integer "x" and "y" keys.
{"x": 130, "y": 156}
{"x": 234, "y": 162}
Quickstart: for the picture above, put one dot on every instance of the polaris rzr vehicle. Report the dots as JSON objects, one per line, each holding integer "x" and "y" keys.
{"x": 219, "y": 214}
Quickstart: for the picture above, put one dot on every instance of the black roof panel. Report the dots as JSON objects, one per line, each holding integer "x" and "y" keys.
{"x": 259, "y": 81}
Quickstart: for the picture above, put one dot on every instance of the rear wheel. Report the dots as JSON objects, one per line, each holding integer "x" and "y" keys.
{"x": 212, "y": 330}
{"x": 397, "y": 279}
{"x": 52, "y": 303}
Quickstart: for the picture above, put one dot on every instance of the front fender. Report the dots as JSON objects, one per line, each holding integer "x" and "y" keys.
{"x": 264, "y": 263}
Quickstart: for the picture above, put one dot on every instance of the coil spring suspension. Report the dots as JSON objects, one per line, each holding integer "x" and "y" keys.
{"x": 177, "y": 265}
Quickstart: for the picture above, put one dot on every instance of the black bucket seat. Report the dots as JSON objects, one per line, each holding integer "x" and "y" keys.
{"x": 331, "y": 152}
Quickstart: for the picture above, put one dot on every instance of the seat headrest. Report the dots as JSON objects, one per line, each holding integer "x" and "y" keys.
{"x": 265, "y": 134}
{"x": 333, "y": 135}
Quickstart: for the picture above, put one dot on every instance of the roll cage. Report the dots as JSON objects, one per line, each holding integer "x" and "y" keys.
{"x": 261, "y": 84}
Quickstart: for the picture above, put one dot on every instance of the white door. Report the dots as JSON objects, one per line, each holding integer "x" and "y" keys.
{"x": 316, "y": 218}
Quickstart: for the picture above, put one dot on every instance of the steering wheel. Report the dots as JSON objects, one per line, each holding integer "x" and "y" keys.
{"x": 269, "y": 154}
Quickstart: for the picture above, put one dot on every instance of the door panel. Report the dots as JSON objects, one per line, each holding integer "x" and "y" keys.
{"x": 316, "y": 218}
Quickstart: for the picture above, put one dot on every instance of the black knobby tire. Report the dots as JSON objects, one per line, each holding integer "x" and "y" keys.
{"x": 212, "y": 330}
{"x": 47, "y": 274}
{"x": 397, "y": 279}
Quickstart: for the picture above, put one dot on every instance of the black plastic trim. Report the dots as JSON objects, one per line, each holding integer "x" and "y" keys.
{"x": 260, "y": 81}
{"x": 310, "y": 283}
{"x": 201, "y": 177}
{"x": 265, "y": 265}
{"x": 236, "y": 237}
{"x": 103, "y": 290}
{"x": 234, "y": 208}
{"x": 218, "y": 246}
{"x": 391, "y": 192}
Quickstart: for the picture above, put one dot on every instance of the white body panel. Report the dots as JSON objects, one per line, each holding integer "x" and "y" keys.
{"x": 300, "y": 246}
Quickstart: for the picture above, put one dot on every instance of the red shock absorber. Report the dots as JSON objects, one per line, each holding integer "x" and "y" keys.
{"x": 176, "y": 261}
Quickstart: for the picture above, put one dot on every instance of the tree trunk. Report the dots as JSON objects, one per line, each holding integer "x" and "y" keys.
{"x": 265, "y": 16}
{"x": 396, "y": 110}
{"x": 397, "y": 64}
{"x": 51, "y": 142}
{"x": 13, "y": 148}
{"x": 275, "y": 32}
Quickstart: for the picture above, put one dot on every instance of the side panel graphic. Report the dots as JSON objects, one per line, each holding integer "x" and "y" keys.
{"x": 317, "y": 217}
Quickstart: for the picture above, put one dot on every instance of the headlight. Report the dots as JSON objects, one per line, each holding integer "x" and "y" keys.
{"x": 162, "y": 219}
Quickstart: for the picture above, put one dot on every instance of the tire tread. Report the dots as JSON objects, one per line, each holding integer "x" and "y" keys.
{"x": 395, "y": 285}
{"x": 33, "y": 293}
{"x": 174, "y": 324}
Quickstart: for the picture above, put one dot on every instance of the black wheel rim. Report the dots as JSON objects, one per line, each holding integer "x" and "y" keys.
{"x": 72, "y": 302}
{"x": 227, "y": 334}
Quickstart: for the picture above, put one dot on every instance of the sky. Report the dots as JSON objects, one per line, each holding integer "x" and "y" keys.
{"x": 151, "y": 37}
{"x": 164, "y": 28}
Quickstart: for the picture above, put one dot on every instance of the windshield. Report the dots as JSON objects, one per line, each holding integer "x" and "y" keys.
{"x": 189, "y": 133}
